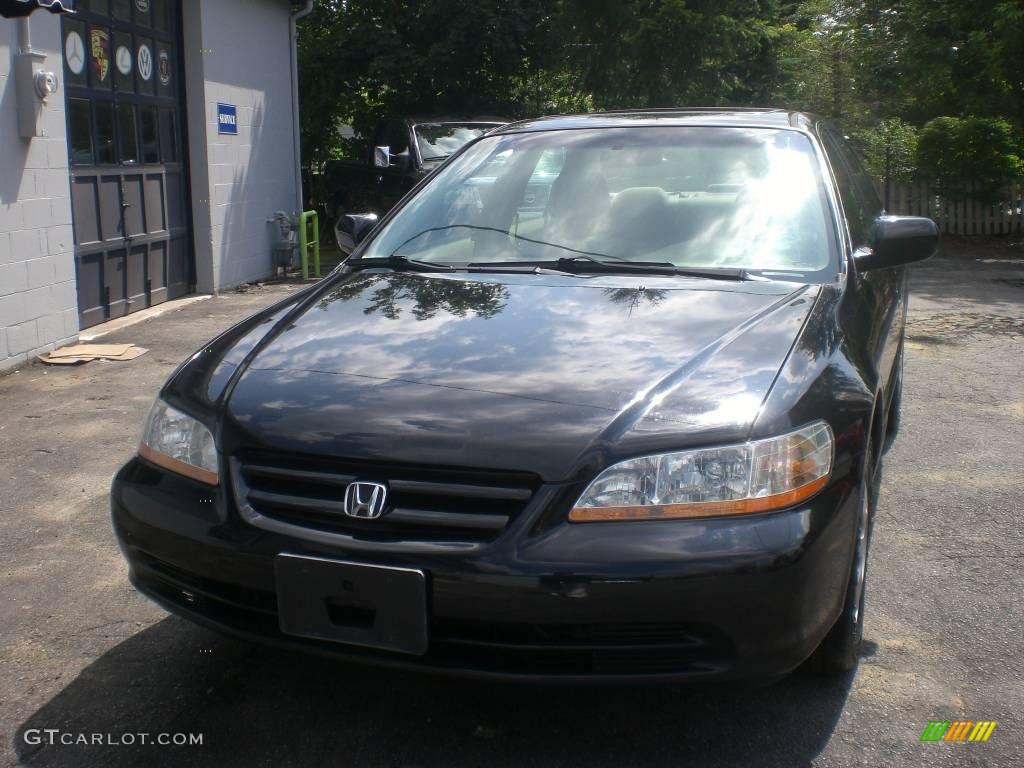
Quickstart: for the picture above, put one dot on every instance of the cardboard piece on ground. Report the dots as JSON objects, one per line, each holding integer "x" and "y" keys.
{"x": 83, "y": 353}
{"x": 91, "y": 350}
{"x": 63, "y": 360}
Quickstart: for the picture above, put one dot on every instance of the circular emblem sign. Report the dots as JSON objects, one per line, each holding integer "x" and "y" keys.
{"x": 142, "y": 5}
{"x": 163, "y": 67}
{"x": 145, "y": 62}
{"x": 74, "y": 52}
{"x": 123, "y": 59}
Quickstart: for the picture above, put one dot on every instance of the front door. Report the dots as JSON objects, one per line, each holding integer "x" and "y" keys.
{"x": 122, "y": 66}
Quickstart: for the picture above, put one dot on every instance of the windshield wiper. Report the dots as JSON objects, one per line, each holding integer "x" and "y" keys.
{"x": 398, "y": 263}
{"x": 579, "y": 265}
{"x": 581, "y": 262}
{"x": 587, "y": 264}
{"x": 506, "y": 233}
{"x": 516, "y": 268}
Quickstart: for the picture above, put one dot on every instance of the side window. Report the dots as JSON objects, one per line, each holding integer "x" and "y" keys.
{"x": 860, "y": 200}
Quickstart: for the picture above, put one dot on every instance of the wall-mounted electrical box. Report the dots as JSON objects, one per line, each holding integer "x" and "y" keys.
{"x": 35, "y": 86}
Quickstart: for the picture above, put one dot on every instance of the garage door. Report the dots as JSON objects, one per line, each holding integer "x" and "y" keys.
{"x": 123, "y": 90}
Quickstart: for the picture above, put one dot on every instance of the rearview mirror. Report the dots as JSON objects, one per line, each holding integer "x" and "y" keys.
{"x": 898, "y": 240}
{"x": 381, "y": 157}
{"x": 351, "y": 229}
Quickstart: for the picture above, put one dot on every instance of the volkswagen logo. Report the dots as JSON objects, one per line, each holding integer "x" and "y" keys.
{"x": 365, "y": 500}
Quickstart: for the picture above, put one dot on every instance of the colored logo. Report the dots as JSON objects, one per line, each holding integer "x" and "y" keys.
{"x": 163, "y": 67}
{"x": 227, "y": 119}
{"x": 101, "y": 53}
{"x": 958, "y": 730}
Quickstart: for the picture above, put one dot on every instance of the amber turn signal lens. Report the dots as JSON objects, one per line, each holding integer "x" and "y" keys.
{"x": 698, "y": 509}
{"x": 180, "y": 467}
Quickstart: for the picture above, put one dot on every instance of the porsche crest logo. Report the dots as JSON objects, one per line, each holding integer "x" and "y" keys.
{"x": 101, "y": 53}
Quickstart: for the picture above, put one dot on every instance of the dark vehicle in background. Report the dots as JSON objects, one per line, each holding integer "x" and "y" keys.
{"x": 606, "y": 398}
{"x": 401, "y": 152}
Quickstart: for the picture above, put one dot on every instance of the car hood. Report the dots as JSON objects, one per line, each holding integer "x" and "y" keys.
{"x": 542, "y": 373}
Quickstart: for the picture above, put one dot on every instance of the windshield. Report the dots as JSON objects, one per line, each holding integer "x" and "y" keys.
{"x": 439, "y": 140}
{"x": 692, "y": 197}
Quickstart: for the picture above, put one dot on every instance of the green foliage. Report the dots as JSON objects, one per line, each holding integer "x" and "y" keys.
{"x": 972, "y": 156}
{"x": 961, "y": 58}
{"x": 861, "y": 60}
{"x": 639, "y": 53}
{"x": 879, "y": 66}
{"x": 890, "y": 150}
{"x": 819, "y": 60}
{"x": 362, "y": 59}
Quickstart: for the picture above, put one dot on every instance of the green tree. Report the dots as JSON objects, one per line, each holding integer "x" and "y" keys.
{"x": 969, "y": 157}
{"x": 961, "y": 58}
{"x": 662, "y": 53}
{"x": 890, "y": 150}
{"x": 862, "y": 61}
{"x": 361, "y": 59}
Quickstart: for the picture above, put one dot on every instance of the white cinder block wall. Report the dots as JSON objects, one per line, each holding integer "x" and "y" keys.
{"x": 238, "y": 182}
{"x": 38, "y": 297}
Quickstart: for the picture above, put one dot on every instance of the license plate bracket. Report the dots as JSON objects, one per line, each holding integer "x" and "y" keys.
{"x": 373, "y": 606}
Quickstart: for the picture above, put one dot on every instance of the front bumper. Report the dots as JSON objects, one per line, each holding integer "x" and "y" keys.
{"x": 746, "y": 598}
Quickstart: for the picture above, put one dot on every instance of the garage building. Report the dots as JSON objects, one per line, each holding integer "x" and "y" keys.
{"x": 145, "y": 145}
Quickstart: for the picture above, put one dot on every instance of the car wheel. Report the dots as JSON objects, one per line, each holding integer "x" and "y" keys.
{"x": 838, "y": 652}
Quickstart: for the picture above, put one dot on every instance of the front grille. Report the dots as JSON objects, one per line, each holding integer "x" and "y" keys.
{"x": 424, "y": 503}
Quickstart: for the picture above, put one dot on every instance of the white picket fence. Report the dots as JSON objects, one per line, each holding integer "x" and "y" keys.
{"x": 964, "y": 217}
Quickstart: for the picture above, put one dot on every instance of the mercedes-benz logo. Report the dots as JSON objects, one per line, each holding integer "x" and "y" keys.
{"x": 74, "y": 52}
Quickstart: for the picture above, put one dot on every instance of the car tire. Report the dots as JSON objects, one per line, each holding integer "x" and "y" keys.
{"x": 839, "y": 651}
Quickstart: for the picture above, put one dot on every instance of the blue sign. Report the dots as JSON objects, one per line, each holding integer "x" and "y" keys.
{"x": 227, "y": 119}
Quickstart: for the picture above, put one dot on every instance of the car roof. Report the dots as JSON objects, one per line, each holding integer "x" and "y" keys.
{"x": 716, "y": 116}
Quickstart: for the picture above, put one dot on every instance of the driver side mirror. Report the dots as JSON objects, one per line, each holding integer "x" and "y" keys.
{"x": 351, "y": 229}
{"x": 383, "y": 157}
{"x": 899, "y": 240}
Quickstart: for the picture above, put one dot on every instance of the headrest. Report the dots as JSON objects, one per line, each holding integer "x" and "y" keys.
{"x": 636, "y": 199}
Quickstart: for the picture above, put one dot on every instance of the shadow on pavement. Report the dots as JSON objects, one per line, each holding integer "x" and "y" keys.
{"x": 967, "y": 275}
{"x": 257, "y": 706}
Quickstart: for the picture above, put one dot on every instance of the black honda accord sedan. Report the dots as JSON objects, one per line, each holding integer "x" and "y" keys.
{"x": 604, "y": 397}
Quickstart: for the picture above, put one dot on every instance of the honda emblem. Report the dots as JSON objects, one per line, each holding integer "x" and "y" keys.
{"x": 365, "y": 500}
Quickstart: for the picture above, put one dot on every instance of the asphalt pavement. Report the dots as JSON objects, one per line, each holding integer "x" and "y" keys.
{"x": 83, "y": 653}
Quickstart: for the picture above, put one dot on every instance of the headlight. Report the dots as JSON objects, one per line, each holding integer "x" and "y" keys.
{"x": 733, "y": 480}
{"x": 179, "y": 443}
